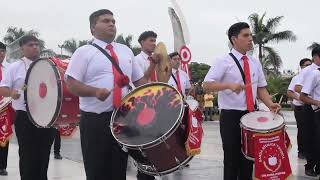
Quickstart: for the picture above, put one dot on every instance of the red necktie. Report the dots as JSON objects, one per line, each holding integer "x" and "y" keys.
{"x": 153, "y": 76}
{"x": 249, "y": 96}
{"x": 178, "y": 82}
{"x": 116, "y": 89}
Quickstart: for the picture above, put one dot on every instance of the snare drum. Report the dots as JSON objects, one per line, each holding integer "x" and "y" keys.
{"x": 48, "y": 102}
{"x": 258, "y": 122}
{"x": 151, "y": 125}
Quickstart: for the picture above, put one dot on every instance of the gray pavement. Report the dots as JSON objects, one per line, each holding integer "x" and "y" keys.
{"x": 206, "y": 166}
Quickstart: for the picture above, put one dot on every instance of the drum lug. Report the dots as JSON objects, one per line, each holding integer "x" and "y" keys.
{"x": 164, "y": 141}
{"x": 142, "y": 153}
{"x": 177, "y": 160}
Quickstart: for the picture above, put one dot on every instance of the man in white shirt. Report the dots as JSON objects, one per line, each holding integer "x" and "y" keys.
{"x": 34, "y": 143}
{"x": 147, "y": 40}
{"x": 236, "y": 98}
{"x": 179, "y": 79}
{"x": 100, "y": 86}
{"x": 3, "y": 150}
{"x": 310, "y": 94}
{"x": 298, "y": 108}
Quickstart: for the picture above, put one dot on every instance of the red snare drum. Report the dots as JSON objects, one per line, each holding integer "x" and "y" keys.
{"x": 48, "y": 101}
{"x": 259, "y": 122}
{"x": 151, "y": 125}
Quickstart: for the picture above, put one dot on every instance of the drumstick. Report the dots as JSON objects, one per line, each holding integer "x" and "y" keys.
{"x": 275, "y": 113}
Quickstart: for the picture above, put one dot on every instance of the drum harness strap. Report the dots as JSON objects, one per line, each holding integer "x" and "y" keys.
{"x": 111, "y": 60}
{"x": 242, "y": 74}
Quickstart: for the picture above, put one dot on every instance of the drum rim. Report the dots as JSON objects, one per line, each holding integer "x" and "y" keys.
{"x": 188, "y": 159}
{"x": 158, "y": 140}
{"x": 59, "y": 85}
{"x": 261, "y": 130}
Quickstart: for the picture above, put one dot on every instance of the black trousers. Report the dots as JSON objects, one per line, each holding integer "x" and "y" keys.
{"x": 57, "y": 142}
{"x": 306, "y": 140}
{"x": 34, "y": 148}
{"x": 4, "y": 156}
{"x": 102, "y": 156}
{"x": 236, "y": 166}
{"x": 317, "y": 137}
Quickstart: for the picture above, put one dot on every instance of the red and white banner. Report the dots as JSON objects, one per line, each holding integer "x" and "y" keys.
{"x": 195, "y": 132}
{"x": 7, "y": 116}
{"x": 271, "y": 157}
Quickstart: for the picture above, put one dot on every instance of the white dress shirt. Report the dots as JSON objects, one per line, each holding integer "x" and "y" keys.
{"x": 305, "y": 73}
{"x": 291, "y": 87}
{"x": 142, "y": 60}
{"x": 14, "y": 79}
{"x": 225, "y": 70}
{"x": 89, "y": 66}
{"x": 184, "y": 80}
{"x": 312, "y": 86}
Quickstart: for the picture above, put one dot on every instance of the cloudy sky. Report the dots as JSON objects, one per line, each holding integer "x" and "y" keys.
{"x": 207, "y": 20}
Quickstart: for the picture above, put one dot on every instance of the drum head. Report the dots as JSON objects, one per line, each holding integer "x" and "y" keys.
{"x": 43, "y": 93}
{"x": 4, "y": 101}
{"x": 147, "y": 114}
{"x": 262, "y": 121}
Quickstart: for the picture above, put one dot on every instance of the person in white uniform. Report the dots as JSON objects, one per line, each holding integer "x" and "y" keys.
{"x": 299, "y": 112}
{"x": 100, "y": 74}
{"x": 34, "y": 143}
{"x": 239, "y": 80}
{"x": 179, "y": 79}
{"x": 310, "y": 94}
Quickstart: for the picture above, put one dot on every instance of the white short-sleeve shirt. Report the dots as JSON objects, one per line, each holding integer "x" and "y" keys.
{"x": 142, "y": 60}
{"x": 89, "y": 66}
{"x": 184, "y": 80}
{"x": 304, "y": 74}
{"x": 15, "y": 79}
{"x": 225, "y": 70}
{"x": 291, "y": 87}
{"x": 311, "y": 87}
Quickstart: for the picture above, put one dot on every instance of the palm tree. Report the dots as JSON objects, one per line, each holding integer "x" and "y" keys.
{"x": 72, "y": 45}
{"x": 264, "y": 32}
{"x": 313, "y": 45}
{"x": 14, "y": 33}
{"x": 128, "y": 42}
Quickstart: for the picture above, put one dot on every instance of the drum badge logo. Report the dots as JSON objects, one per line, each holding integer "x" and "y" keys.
{"x": 271, "y": 155}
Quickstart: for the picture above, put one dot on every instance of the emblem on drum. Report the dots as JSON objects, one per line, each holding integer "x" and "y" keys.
{"x": 271, "y": 156}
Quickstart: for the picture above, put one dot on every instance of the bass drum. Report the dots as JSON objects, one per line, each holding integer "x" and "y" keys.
{"x": 151, "y": 125}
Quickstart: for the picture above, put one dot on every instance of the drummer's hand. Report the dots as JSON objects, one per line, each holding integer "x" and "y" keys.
{"x": 235, "y": 87}
{"x": 102, "y": 94}
{"x": 14, "y": 94}
{"x": 156, "y": 58}
{"x": 275, "y": 107}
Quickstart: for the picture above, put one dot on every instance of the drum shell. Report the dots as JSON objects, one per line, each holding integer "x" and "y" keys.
{"x": 165, "y": 156}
